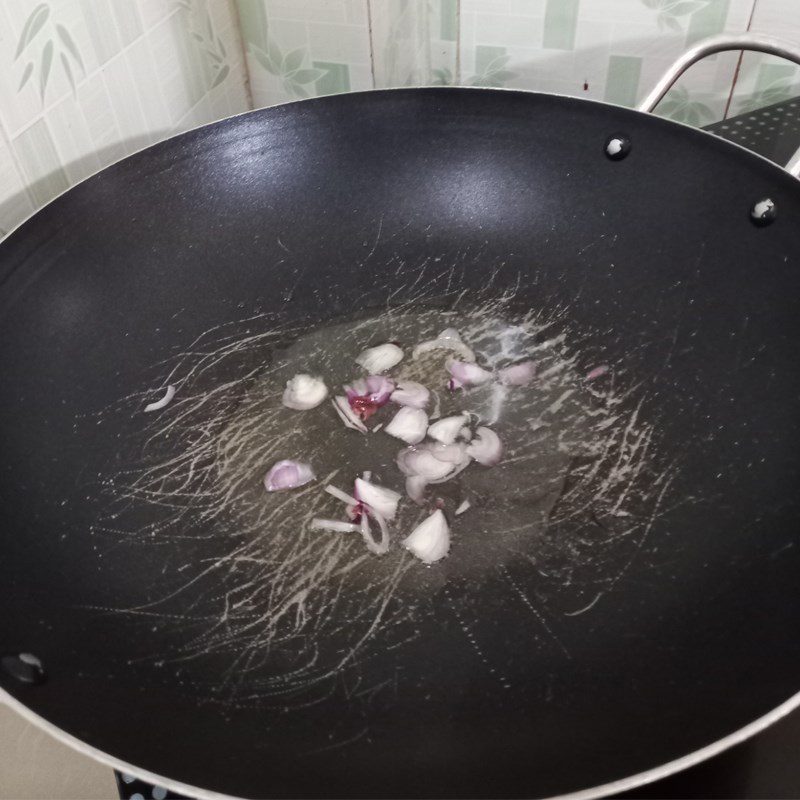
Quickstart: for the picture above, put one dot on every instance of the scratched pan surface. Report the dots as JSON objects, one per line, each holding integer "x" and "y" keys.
{"x": 587, "y": 647}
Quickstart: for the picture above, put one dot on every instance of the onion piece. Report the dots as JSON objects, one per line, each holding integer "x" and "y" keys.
{"x": 466, "y": 374}
{"x": 447, "y": 429}
{"x": 347, "y": 415}
{"x": 415, "y": 488}
{"x": 375, "y": 388}
{"x": 380, "y": 358}
{"x": 517, "y": 374}
{"x": 433, "y": 462}
{"x": 163, "y": 402}
{"x": 430, "y": 540}
{"x": 367, "y": 396}
{"x": 379, "y": 548}
{"x": 465, "y": 506}
{"x": 411, "y": 393}
{"x": 287, "y": 474}
{"x": 340, "y": 495}
{"x": 303, "y": 392}
{"x": 378, "y": 498}
{"x": 335, "y": 525}
{"x": 448, "y": 339}
{"x": 408, "y": 424}
{"x": 486, "y": 448}
{"x": 591, "y": 375}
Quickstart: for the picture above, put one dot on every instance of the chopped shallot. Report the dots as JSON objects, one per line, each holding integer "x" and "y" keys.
{"x": 466, "y": 374}
{"x": 411, "y": 393}
{"x": 163, "y": 402}
{"x": 449, "y": 339}
{"x": 517, "y": 374}
{"x": 380, "y": 358}
{"x": 304, "y": 392}
{"x": 379, "y": 548}
{"x": 431, "y": 462}
{"x": 335, "y": 525}
{"x": 415, "y": 488}
{"x": 446, "y": 430}
{"x": 408, "y": 424}
{"x": 486, "y": 447}
{"x": 430, "y": 540}
{"x": 340, "y": 495}
{"x": 347, "y": 415}
{"x": 379, "y": 499}
{"x": 366, "y": 396}
{"x": 287, "y": 475}
{"x": 465, "y": 506}
{"x": 590, "y": 376}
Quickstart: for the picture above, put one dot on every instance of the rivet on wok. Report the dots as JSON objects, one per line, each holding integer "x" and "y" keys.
{"x": 763, "y": 212}
{"x": 617, "y": 146}
{"x": 23, "y": 667}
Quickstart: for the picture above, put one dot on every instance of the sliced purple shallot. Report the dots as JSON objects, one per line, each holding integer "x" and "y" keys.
{"x": 430, "y": 540}
{"x": 596, "y": 372}
{"x": 448, "y": 339}
{"x": 463, "y": 374}
{"x": 408, "y": 424}
{"x": 367, "y": 395}
{"x": 288, "y": 474}
{"x": 163, "y": 402}
{"x": 517, "y": 374}
{"x": 378, "y": 498}
{"x": 446, "y": 430}
{"x": 381, "y": 358}
{"x": 486, "y": 448}
{"x": 411, "y": 393}
{"x": 347, "y": 415}
{"x": 334, "y": 525}
{"x": 304, "y": 392}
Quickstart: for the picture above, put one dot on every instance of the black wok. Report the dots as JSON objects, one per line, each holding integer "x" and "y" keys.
{"x": 602, "y": 648}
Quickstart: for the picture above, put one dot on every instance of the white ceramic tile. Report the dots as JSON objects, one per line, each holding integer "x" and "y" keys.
{"x": 15, "y": 203}
{"x": 121, "y": 74}
{"x": 73, "y": 139}
{"x": 764, "y": 80}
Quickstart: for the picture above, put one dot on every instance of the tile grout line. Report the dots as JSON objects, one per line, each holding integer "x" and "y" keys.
{"x": 457, "y": 80}
{"x": 237, "y": 28}
{"x": 738, "y": 64}
{"x": 371, "y": 46}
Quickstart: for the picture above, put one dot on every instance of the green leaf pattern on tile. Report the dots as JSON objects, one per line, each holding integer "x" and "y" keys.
{"x": 672, "y": 15}
{"x": 494, "y": 73}
{"x": 207, "y": 40}
{"x": 775, "y": 92}
{"x": 442, "y": 77}
{"x": 296, "y": 79}
{"x": 32, "y": 26}
{"x": 59, "y": 42}
{"x": 680, "y": 106}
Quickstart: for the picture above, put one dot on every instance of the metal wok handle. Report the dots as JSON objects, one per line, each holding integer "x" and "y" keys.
{"x": 720, "y": 44}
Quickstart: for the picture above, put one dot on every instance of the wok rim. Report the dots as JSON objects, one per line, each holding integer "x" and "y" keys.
{"x": 627, "y": 783}
{"x": 387, "y": 90}
{"x": 602, "y": 790}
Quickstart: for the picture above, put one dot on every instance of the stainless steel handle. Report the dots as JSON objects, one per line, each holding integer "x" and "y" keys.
{"x": 721, "y": 44}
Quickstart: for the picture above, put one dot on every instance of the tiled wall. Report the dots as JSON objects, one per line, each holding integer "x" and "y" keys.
{"x": 85, "y": 82}
{"x": 611, "y": 50}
